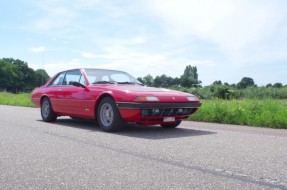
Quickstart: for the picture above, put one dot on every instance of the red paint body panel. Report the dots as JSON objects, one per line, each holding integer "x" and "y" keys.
{"x": 75, "y": 101}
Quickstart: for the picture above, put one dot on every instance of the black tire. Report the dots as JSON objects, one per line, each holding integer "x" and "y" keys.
{"x": 47, "y": 113}
{"x": 173, "y": 125}
{"x": 108, "y": 115}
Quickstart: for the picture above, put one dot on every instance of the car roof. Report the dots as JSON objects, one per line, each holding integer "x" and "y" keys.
{"x": 84, "y": 68}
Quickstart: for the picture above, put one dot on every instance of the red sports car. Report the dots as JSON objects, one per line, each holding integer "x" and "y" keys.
{"x": 113, "y": 98}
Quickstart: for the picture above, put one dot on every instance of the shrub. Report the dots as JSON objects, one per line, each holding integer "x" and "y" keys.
{"x": 261, "y": 113}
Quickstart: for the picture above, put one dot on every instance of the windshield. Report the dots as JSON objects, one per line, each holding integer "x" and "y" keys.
{"x": 100, "y": 76}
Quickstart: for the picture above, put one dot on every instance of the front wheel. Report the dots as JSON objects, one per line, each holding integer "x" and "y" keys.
{"x": 173, "y": 125}
{"x": 47, "y": 113}
{"x": 108, "y": 115}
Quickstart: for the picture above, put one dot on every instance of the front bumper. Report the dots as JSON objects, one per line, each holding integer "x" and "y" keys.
{"x": 136, "y": 105}
{"x": 156, "y": 113}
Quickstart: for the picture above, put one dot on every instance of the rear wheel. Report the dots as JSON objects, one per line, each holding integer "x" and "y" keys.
{"x": 47, "y": 113}
{"x": 173, "y": 125}
{"x": 108, "y": 115}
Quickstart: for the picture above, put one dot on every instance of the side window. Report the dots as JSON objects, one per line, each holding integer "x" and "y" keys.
{"x": 82, "y": 80}
{"x": 58, "y": 80}
{"x": 72, "y": 76}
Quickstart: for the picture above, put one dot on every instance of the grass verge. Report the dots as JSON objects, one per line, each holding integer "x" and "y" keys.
{"x": 252, "y": 112}
{"x": 16, "y": 99}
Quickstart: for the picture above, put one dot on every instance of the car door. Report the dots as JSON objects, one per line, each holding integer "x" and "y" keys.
{"x": 53, "y": 92}
{"x": 72, "y": 98}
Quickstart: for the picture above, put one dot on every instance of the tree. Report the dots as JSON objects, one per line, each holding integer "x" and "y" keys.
{"x": 269, "y": 85}
{"x": 189, "y": 77}
{"x": 162, "y": 81}
{"x": 23, "y": 75}
{"x": 226, "y": 84}
{"x": 16, "y": 76}
{"x": 148, "y": 80}
{"x": 141, "y": 80}
{"x": 41, "y": 77}
{"x": 191, "y": 72}
{"x": 277, "y": 85}
{"x": 220, "y": 91}
{"x": 245, "y": 82}
{"x": 217, "y": 82}
{"x": 5, "y": 74}
{"x": 176, "y": 82}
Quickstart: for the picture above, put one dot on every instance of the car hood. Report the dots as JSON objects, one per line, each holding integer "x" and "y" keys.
{"x": 136, "y": 90}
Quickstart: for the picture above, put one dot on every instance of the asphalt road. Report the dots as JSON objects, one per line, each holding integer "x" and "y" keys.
{"x": 71, "y": 154}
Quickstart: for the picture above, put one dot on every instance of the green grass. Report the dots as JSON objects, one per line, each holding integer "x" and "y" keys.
{"x": 16, "y": 99}
{"x": 259, "y": 113}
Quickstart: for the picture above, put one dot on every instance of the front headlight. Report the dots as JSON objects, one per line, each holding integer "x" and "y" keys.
{"x": 146, "y": 99}
{"x": 192, "y": 98}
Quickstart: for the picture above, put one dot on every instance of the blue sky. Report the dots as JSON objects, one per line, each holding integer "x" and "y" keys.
{"x": 226, "y": 39}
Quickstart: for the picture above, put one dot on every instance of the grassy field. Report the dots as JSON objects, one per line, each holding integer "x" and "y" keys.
{"x": 16, "y": 99}
{"x": 252, "y": 112}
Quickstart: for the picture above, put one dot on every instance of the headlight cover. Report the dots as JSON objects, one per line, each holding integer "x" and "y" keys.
{"x": 192, "y": 98}
{"x": 146, "y": 99}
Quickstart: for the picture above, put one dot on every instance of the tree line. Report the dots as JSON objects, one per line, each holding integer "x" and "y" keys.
{"x": 188, "y": 79}
{"x": 16, "y": 76}
{"x": 189, "y": 82}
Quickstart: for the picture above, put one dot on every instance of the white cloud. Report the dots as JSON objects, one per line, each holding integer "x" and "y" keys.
{"x": 232, "y": 24}
{"x": 39, "y": 49}
{"x": 155, "y": 36}
{"x": 141, "y": 63}
{"x": 240, "y": 28}
{"x": 75, "y": 63}
{"x": 48, "y": 15}
{"x": 55, "y": 67}
{"x": 88, "y": 55}
{"x": 34, "y": 66}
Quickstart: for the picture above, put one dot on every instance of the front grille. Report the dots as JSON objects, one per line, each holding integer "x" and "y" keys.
{"x": 167, "y": 111}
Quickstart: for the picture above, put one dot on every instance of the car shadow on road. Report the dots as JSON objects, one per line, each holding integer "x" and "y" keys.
{"x": 136, "y": 131}
{"x": 157, "y": 132}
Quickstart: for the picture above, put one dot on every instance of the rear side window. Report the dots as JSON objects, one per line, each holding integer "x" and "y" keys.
{"x": 58, "y": 80}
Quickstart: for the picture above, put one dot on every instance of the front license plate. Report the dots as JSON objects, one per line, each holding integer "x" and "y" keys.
{"x": 168, "y": 119}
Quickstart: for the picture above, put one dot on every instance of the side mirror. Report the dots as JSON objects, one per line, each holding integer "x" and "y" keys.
{"x": 78, "y": 84}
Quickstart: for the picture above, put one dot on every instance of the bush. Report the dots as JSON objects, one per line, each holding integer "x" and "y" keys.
{"x": 264, "y": 92}
{"x": 260, "y": 113}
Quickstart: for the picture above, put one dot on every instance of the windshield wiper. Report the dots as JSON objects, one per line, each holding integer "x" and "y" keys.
{"x": 103, "y": 82}
{"x": 126, "y": 82}
{"x": 133, "y": 83}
